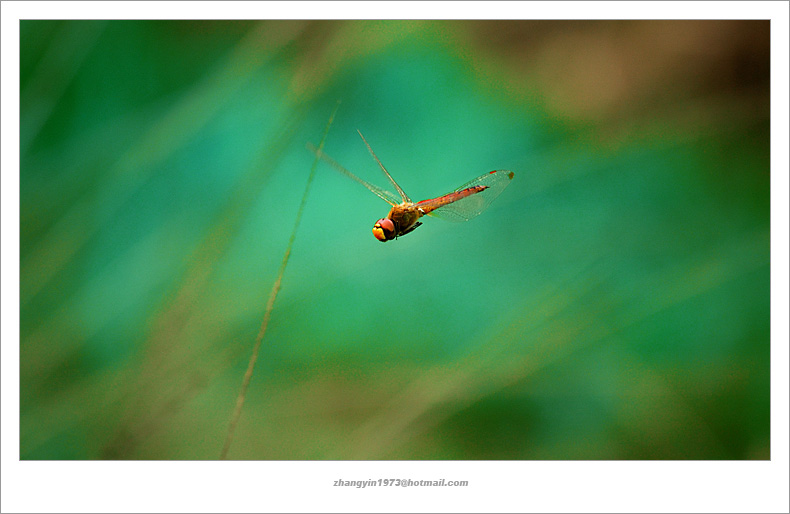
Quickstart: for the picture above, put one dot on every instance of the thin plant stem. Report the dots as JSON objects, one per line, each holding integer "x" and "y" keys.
{"x": 272, "y": 297}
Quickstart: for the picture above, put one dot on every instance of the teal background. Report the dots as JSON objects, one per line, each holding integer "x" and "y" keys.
{"x": 613, "y": 303}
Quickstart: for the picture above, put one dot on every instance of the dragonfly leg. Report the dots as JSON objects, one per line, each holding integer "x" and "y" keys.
{"x": 411, "y": 228}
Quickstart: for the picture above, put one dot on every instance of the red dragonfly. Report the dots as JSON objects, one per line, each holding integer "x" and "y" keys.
{"x": 462, "y": 204}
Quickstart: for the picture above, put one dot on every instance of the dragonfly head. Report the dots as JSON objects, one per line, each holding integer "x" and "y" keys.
{"x": 384, "y": 230}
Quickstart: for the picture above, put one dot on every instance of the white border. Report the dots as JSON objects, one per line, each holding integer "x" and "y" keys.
{"x": 300, "y": 486}
{"x": 392, "y": 10}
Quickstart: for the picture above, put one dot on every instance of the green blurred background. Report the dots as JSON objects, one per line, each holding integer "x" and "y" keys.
{"x": 613, "y": 303}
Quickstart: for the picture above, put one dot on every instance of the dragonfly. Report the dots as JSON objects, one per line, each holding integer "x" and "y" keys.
{"x": 462, "y": 204}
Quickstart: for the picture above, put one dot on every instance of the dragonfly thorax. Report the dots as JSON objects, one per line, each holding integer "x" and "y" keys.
{"x": 401, "y": 220}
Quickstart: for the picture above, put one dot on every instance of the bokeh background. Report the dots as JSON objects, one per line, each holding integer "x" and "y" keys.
{"x": 613, "y": 303}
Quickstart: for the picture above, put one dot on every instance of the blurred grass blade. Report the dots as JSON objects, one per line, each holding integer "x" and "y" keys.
{"x": 174, "y": 128}
{"x": 272, "y": 297}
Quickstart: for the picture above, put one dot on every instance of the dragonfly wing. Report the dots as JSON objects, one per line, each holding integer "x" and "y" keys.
{"x": 387, "y": 196}
{"x": 467, "y": 207}
{"x": 387, "y": 173}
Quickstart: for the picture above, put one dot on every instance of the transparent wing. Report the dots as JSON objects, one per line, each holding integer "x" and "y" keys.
{"x": 387, "y": 173}
{"x": 464, "y": 203}
{"x": 387, "y": 196}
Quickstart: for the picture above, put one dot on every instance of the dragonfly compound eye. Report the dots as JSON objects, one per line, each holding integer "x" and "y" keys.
{"x": 384, "y": 230}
